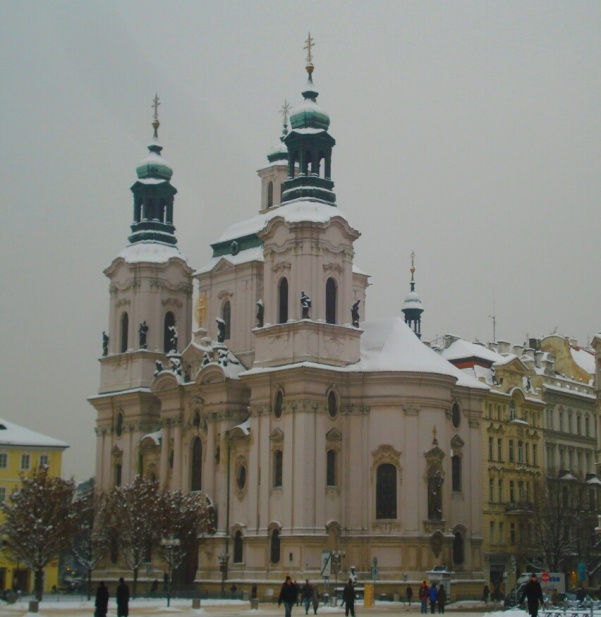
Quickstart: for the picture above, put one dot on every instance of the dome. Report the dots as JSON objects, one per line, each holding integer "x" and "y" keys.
{"x": 154, "y": 165}
{"x": 309, "y": 115}
{"x": 413, "y": 301}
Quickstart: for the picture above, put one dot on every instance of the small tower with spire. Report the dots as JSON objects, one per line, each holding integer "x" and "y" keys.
{"x": 275, "y": 173}
{"x": 309, "y": 146}
{"x": 412, "y": 306}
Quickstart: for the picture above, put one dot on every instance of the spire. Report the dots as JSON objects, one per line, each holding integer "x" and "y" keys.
{"x": 412, "y": 306}
{"x": 309, "y": 145}
{"x": 280, "y": 152}
{"x": 153, "y": 193}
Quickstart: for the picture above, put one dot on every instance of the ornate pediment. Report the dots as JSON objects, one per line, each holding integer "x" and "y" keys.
{"x": 457, "y": 442}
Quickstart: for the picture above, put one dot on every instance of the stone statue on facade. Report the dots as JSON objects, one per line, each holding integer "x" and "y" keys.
{"x": 435, "y": 483}
{"x": 105, "y": 344}
{"x": 172, "y": 339}
{"x": 220, "y": 330}
{"x": 305, "y": 305}
{"x": 142, "y": 332}
{"x": 158, "y": 366}
{"x": 260, "y": 311}
{"x": 355, "y": 313}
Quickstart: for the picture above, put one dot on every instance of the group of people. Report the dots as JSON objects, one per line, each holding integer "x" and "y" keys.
{"x": 102, "y": 599}
{"x": 435, "y": 596}
{"x": 290, "y": 594}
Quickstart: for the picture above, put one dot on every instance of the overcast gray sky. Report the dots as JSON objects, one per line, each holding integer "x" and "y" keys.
{"x": 469, "y": 132}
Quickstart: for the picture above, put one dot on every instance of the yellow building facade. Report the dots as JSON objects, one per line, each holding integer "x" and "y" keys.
{"x": 21, "y": 451}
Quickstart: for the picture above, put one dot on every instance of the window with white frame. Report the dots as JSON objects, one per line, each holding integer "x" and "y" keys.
{"x": 43, "y": 460}
{"x": 25, "y": 461}
{"x": 3, "y": 460}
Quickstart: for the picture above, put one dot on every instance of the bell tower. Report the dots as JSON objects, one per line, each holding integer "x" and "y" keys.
{"x": 412, "y": 306}
{"x": 150, "y": 318}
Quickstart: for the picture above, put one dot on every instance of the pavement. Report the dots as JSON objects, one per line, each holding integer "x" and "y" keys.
{"x": 76, "y": 607}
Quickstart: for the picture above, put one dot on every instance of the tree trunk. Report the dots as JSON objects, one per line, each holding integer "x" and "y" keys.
{"x": 39, "y": 584}
{"x": 89, "y": 584}
{"x": 135, "y": 585}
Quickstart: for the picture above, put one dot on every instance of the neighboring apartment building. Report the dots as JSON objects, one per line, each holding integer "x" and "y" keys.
{"x": 538, "y": 423}
{"x": 21, "y": 451}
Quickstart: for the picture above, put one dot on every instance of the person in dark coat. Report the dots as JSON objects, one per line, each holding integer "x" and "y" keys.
{"x": 533, "y": 594}
{"x": 122, "y": 599}
{"x": 409, "y": 594}
{"x": 102, "y": 600}
{"x": 441, "y": 598}
{"x": 348, "y": 595}
{"x": 288, "y": 595}
{"x": 423, "y": 597}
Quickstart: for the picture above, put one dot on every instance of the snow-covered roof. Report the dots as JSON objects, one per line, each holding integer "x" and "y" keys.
{"x": 584, "y": 359}
{"x": 154, "y": 437}
{"x": 150, "y": 252}
{"x": 461, "y": 349}
{"x": 252, "y": 254}
{"x": 390, "y": 345}
{"x": 15, "y": 435}
{"x": 244, "y": 427}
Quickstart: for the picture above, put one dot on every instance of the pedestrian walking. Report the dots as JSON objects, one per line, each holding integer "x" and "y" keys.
{"x": 122, "y": 599}
{"x": 485, "y": 594}
{"x": 315, "y": 599}
{"x": 432, "y": 594}
{"x": 534, "y": 594}
{"x": 441, "y": 598}
{"x": 409, "y": 594}
{"x": 288, "y": 595}
{"x": 348, "y": 595}
{"x": 102, "y": 600}
{"x": 423, "y": 597}
{"x": 307, "y": 595}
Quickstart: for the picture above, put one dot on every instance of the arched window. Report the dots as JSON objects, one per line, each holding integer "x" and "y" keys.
{"x": 168, "y": 325}
{"x": 124, "y": 332}
{"x": 270, "y": 195}
{"x": 274, "y": 553}
{"x": 331, "y": 468}
{"x": 386, "y": 491}
{"x": 456, "y": 472}
{"x": 238, "y": 547}
{"x": 331, "y": 301}
{"x": 118, "y": 472}
{"x": 227, "y": 318}
{"x": 458, "y": 553}
{"x": 283, "y": 300}
{"x": 196, "y": 465}
{"x": 278, "y": 459}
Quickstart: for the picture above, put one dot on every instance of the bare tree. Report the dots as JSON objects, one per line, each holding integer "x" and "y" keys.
{"x": 134, "y": 514}
{"x": 93, "y": 536}
{"x": 39, "y": 521}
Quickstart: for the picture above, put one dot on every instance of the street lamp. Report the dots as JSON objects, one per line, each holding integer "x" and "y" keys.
{"x": 170, "y": 544}
{"x": 337, "y": 557}
{"x": 223, "y": 559}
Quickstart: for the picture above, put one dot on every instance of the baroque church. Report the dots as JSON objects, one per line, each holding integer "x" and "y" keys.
{"x": 309, "y": 427}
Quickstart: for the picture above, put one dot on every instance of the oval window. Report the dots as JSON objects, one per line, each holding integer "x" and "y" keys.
{"x": 332, "y": 404}
{"x": 241, "y": 477}
{"x": 119, "y": 424}
{"x": 278, "y": 404}
{"x": 456, "y": 415}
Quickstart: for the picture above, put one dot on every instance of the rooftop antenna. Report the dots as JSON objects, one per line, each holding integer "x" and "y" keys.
{"x": 494, "y": 319}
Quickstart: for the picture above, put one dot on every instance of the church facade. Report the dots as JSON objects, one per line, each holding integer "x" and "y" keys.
{"x": 308, "y": 427}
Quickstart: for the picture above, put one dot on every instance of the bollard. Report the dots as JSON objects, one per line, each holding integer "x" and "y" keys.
{"x": 33, "y": 606}
{"x": 254, "y": 604}
{"x": 195, "y": 602}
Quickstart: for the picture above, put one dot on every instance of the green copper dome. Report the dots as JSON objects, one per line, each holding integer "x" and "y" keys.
{"x": 309, "y": 115}
{"x": 154, "y": 165}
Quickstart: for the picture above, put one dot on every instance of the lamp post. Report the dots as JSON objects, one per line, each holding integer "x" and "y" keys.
{"x": 169, "y": 544}
{"x": 337, "y": 557}
{"x": 223, "y": 559}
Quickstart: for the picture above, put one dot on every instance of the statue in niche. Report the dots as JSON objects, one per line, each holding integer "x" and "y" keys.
{"x": 305, "y": 305}
{"x": 355, "y": 313}
{"x": 105, "y": 344}
{"x": 173, "y": 339}
{"x": 158, "y": 365}
{"x": 259, "y": 313}
{"x": 435, "y": 482}
{"x": 142, "y": 332}
{"x": 220, "y": 330}
{"x": 176, "y": 366}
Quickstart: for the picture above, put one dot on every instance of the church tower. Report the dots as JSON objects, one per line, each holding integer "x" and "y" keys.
{"x": 149, "y": 319}
{"x": 309, "y": 286}
{"x": 412, "y": 306}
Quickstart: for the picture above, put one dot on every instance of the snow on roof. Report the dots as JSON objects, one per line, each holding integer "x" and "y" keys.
{"x": 584, "y": 359}
{"x": 293, "y": 212}
{"x": 506, "y": 359}
{"x": 15, "y": 435}
{"x": 461, "y": 349}
{"x": 253, "y": 254}
{"x": 244, "y": 427}
{"x": 151, "y": 180}
{"x": 357, "y": 270}
{"x": 390, "y": 345}
{"x": 150, "y": 252}
{"x": 155, "y": 437}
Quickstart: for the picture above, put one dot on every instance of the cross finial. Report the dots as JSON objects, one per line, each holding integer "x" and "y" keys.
{"x": 285, "y": 111}
{"x": 155, "y": 105}
{"x": 413, "y": 259}
{"x": 308, "y": 47}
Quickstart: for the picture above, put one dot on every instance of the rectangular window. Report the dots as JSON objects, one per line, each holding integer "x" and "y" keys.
{"x": 520, "y": 451}
{"x": 520, "y": 491}
{"x": 578, "y": 425}
{"x": 500, "y": 450}
{"x": 277, "y": 468}
{"x": 569, "y": 423}
{"x": 491, "y": 490}
{"x": 587, "y": 426}
{"x": 527, "y": 453}
{"x": 511, "y": 491}
{"x": 512, "y": 533}
{"x": 501, "y": 533}
{"x": 456, "y": 473}
{"x": 492, "y": 533}
{"x": 3, "y": 460}
{"x": 24, "y": 461}
{"x": 561, "y": 420}
{"x": 500, "y": 491}
{"x": 331, "y": 468}
{"x": 490, "y": 442}
{"x": 511, "y": 450}
{"x": 534, "y": 454}
{"x": 43, "y": 460}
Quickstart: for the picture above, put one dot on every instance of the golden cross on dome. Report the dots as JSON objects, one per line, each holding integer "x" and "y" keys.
{"x": 412, "y": 258}
{"x": 155, "y": 106}
{"x": 285, "y": 111}
{"x": 308, "y": 47}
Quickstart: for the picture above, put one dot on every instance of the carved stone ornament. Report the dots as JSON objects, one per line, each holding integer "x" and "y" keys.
{"x": 436, "y": 543}
{"x": 411, "y": 410}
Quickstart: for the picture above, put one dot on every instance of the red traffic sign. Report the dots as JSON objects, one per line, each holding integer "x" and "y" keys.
{"x": 545, "y": 577}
